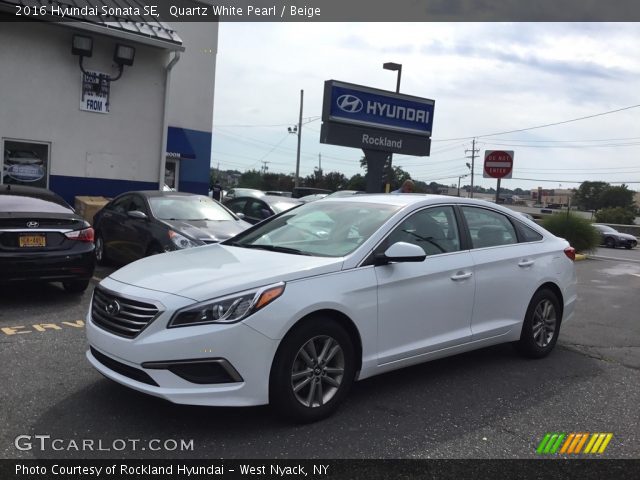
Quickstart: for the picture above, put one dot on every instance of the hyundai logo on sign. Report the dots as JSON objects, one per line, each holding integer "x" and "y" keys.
{"x": 349, "y": 103}
{"x": 364, "y": 106}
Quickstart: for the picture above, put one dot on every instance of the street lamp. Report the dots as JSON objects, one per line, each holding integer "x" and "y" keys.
{"x": 460, "y": 178}
{"x": 395, "y": 67}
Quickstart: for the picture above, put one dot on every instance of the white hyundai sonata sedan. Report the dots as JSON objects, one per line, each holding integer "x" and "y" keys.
{"x": 292, "y": 311}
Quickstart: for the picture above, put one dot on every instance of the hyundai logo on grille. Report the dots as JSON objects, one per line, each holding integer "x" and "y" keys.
{"x": 33, "y": 224}
{"x": 112, "y": 308}
{"x": 349, "y": 103}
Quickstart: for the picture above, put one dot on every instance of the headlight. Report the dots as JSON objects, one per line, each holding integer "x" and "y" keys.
{"x": 181, "y": 241}
{"x": 229, "y": 309}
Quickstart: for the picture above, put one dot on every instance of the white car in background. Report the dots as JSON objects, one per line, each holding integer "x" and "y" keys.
{"x": 293, "y": 310}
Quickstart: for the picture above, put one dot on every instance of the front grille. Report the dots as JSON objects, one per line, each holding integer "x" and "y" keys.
{"x": 123, "y": 369}
{"x": 119, "y": 315}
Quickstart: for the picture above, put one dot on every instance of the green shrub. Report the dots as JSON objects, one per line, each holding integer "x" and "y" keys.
{"x": 617, "y": 215}
{"x": 577, "y": 230}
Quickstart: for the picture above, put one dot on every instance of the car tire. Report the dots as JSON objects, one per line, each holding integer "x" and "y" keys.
{"x": 610, "y": 243}
{"x": 75, "y": 286}
{"x": 100, "y": 250}
{"x": 541, "y": 325}
{"x": 313, "y": 371}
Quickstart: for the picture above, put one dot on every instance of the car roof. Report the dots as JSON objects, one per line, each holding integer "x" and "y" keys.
{"x": 405, "y": 199}
{"x": 165, "y": 193}
{"x": 271, "y": 199}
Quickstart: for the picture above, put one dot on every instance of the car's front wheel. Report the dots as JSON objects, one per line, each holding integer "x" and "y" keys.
{"x": 541, "y": 325}
{"x": 313, "y": 370}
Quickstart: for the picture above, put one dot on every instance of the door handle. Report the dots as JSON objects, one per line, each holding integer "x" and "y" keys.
{"x": 526, "y": 263}
{"x": 461, "y": 276}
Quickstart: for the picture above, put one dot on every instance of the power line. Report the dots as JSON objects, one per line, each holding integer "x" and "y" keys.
{"x": 545, "y": 125}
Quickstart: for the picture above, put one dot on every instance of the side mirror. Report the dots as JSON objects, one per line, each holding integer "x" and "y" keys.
{"x": 401, "y": 252}
{"x": 137, "y": 214}
{"x": 240, "y": 215}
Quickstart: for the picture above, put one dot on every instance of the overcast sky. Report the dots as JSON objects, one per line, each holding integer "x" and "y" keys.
{"x": 485, "y": 78}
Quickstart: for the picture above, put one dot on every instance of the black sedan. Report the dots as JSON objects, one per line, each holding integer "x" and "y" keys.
{"x": 43, "y": 239}
{"x": 256, "y": 209}
{"x": 137, "y": 224}
{"x": 612, "y": 238}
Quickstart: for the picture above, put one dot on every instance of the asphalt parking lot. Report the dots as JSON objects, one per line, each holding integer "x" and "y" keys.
{"x": 485, "y": 404}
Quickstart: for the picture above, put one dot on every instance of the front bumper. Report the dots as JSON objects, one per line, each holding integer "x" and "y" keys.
{"x": 239, "y": 356}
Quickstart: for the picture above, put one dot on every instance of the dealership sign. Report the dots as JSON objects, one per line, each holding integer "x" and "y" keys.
{"x": 375, "y": 120}
{"x": 369, "y": 107}
{"x": 374, "y": 139}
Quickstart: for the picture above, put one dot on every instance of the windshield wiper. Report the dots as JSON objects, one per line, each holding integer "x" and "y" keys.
{"x": 273, "y": 248}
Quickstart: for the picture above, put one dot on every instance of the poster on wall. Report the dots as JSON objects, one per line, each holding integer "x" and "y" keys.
{"x": 25, "y": 163}
{"x": 95, "y": 92}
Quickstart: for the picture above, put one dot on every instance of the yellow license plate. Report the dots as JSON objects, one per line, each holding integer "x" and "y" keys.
{"x": 33, "y": 241}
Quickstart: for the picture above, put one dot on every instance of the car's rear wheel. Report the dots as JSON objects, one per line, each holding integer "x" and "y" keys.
{"x": 541, "y": 325}
{"x": 100, "y": 250}
{"x": 75, "y": 286}
{"x": 313, "y": 370}
{"x": 610, "y": 242}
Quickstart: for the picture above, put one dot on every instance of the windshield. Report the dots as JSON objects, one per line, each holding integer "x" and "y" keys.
{"x": 327, "y": 229}
{"x": 192, "y": 207}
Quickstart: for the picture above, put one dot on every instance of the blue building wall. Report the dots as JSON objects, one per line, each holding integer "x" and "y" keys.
{"x": 194, "y": 147}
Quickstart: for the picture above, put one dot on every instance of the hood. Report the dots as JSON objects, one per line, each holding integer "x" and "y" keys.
{"x": 208, "y": 231}
{"x": 206, "y": 272}
{"x": 626, "y": 236}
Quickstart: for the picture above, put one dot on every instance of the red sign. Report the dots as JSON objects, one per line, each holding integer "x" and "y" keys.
{"x": 498, "y": 163}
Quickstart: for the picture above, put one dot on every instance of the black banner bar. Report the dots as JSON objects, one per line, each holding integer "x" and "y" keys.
{"x": 324, "y": 10}
{"x": 320, "y": 469}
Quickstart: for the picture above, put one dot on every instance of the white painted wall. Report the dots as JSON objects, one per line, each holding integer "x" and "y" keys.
{"x": 40, "y": 92}
{"x": 195, "y": 74}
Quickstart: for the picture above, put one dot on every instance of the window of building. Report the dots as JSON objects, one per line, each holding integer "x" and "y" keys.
{"x": 25, "y": 163}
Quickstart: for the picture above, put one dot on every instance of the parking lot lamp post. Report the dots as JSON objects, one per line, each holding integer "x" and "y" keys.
{"x": 396, "y": 67}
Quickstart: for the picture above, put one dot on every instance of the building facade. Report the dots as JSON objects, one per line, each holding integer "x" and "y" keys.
{"x": 65, "y": 126}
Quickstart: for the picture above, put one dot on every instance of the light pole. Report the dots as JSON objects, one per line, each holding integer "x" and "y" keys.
{"x": 460, "y": 178}
{"x": 297, "y": 130}
{"x": 395, "y": 67}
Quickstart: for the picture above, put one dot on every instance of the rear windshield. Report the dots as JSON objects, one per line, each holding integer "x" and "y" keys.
{"x": 23, "y": 204}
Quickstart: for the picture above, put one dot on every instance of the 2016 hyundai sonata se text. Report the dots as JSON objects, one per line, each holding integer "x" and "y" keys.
{"x": 293, "y": 310}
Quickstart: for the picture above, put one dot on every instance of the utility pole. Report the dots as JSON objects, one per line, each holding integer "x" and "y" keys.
{"x": 320, "y": 161}
{"x": 264, "y": 167}
{"x": 297, "y": 180}
{"x": 473, "y": 161}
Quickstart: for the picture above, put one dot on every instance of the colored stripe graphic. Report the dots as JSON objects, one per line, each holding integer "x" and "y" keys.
{"x": 573, "y": 443}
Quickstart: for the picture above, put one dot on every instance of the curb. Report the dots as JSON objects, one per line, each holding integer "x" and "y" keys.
{"x": 580, "y": 256}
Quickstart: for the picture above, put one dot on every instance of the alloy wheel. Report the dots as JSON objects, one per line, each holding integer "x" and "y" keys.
{"x": 544, "y": 323}
{"x": 318, "y": 371}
